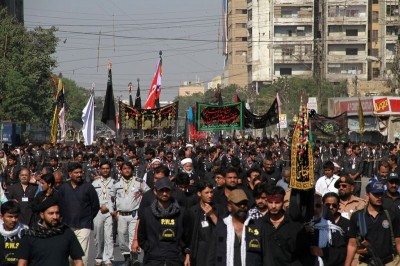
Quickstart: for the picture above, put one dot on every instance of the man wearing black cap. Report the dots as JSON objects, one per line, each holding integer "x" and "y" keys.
{"x": 49, "y": 242}
{"x": 165, "y": 229}
{"x": 391, "y": 198}
{"x": 374, "y": 232}
{"x": 348, "y": 202}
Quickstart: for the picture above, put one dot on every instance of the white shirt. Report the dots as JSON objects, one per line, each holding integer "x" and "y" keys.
{"x": 325, "y": 184}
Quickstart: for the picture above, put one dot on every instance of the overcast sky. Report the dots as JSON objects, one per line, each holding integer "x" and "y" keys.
{"x": 132, "y": 34}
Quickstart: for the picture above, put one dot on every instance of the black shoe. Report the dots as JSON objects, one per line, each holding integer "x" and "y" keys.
{"x": 134, "y": 259}
{"x": 127, "y": 258}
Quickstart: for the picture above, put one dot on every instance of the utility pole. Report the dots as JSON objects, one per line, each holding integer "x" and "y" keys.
{"x": 396, "y": 68}
{"x": 319, "y": 47}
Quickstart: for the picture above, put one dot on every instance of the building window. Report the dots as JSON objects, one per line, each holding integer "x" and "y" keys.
{"x": 307, "y": 49}
{"x": 352, "y": 32}
{"x": 375, "y": 16}
{"x": 287, "y": 50}
{"x": 285, "y": 71}
{"x": 374, "y": 36}
{"x": 375, "y": 1}
{"x": 241, "y": 25}
{"x": 376, "y": 72}
{"x": 241, "y": 53}
{"x": 351, "y": 51}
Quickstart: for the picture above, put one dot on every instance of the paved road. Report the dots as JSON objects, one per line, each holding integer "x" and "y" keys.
{"x": 118, "y": 258}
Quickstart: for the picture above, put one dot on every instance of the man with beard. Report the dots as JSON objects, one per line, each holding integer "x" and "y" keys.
{"x": 353, "y": 167}
{"x": 383, "y": 172}
{"x": 10, "y": 174}
{"x": 391, "y": 198}
{"x": 348, "y": 202}
{"x": 237, "y": 239}
{"x": 164, "y": 229}
{"x": 23, "y": 193}
{"x": 205, "y": 215}
{"x": 374, "y": 231}
{"x": 103, "y": 221}
{"x": 260, "y": 197}
{"x": 79, "y": 205}
{"x": 285, "y": 241}
{"x": 49, "y": 242}
{"x": 231, "y": 183}
{"x": 10, "y": 233}
{"x": 272, "y": 174}
{"x": 328, "y": 243}
{"x": 128, "y": 193}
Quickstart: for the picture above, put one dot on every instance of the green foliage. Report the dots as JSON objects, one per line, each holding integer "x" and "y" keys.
{"x": 75, "y": 100}
{"x": 292, "y": 91}
{"x": 25, "y": 68}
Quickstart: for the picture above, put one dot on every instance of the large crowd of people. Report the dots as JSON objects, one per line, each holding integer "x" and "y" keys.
{"x": 198, "y": 203}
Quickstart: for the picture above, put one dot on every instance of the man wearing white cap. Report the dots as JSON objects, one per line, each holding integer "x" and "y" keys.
{"x": 187, "y": 167}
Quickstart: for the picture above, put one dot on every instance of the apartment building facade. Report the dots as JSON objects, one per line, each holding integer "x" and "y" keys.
{"x": 356, "y": 40}
{"x": 235, "y": 71}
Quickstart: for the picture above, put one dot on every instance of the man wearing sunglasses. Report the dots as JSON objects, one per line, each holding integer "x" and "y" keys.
{"x": 391, "y": 198}
{"x": 348, "y": 202}
{"x": 374, "y": 232}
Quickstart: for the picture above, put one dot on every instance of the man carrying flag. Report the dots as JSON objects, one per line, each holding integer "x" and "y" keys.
{"x": 153, "y": 98}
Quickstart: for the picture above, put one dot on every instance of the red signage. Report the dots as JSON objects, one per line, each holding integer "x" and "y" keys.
{"x": 381, "y": 105}
{"x": 387, "y": 105}
{"x": 351, "y": 106}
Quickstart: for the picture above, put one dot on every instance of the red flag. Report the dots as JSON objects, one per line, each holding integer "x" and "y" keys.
{"x": 153, "y": 98}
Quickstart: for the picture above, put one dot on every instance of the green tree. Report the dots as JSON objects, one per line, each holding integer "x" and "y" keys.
{"x": 294, "y": 89}
{"x": 25, "y": 68}
{"x": 75, "y": 100}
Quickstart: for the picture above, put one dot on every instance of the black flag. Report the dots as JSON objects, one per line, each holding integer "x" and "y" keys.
{"x": 138, "y": 100}
{"x": 108, "y": 116}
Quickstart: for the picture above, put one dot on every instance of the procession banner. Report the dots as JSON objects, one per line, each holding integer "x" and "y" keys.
{"x": 329, "y": 128}
{"x": 163, "y": 118}
{"x": 219, "y": 117}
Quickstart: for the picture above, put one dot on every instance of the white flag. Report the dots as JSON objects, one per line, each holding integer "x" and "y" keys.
{"x": 61, "y": 120}
{"x": 88, "y": 121}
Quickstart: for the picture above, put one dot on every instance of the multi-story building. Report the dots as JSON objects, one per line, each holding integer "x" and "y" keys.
{"x": 236, "y": 43}
{"x": 189, "y": 88}
{"x": 280, "y": 39}
{"x": 345, "y": 39}
{"x": 335, "y": 39}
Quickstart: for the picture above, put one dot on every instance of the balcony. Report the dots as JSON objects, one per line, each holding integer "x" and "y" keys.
{"x": 347, "y": 20}
{"x": 346, "y": 58}
{"x": 294, "y": 3}
{"x": 294, "y": 21}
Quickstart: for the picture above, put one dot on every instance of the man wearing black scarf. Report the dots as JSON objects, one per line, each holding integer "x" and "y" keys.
{"x": 49, "y": 242}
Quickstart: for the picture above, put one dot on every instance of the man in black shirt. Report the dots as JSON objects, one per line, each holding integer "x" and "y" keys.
{"x": 164, "y": 229}
{"x": 79, "y": 205}
{"x": 376, "y": 237}
{"x": 50, "y": 242}
{"x": 10, "y": 233}
{"x": 285, "y": 241}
